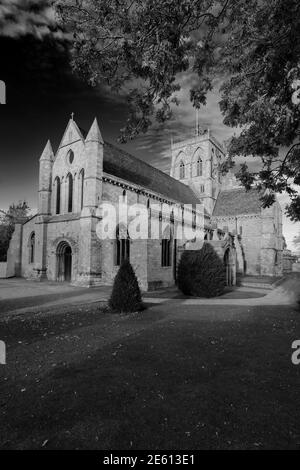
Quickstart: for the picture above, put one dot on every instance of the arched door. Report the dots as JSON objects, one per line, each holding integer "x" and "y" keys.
{"x": 228, "y": 267}
{"x": 64, "y": 262}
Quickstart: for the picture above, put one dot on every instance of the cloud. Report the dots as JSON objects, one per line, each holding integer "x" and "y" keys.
{"x": 157, "y": 142}
{"x": 29, "y": 17}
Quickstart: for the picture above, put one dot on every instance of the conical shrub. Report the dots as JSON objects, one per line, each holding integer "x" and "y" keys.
{"x": 126, "y": 295}
{"x": 201, "y": 273}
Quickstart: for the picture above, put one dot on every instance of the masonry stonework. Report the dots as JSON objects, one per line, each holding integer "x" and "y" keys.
{"x": 61, "y": 243}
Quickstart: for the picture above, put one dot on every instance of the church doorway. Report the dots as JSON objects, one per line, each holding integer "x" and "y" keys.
{"x": 64, "y": 262}
{"x": 229, "y": 266}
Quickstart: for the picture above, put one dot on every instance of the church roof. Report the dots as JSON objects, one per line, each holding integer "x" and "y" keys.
{"x": 236, "y": 202}
{"x": 121, "y": 164}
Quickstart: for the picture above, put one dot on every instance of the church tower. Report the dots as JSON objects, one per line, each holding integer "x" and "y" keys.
{"x": 89, "y": 243}
{"x": 93, "y": 178}
{"x": 44, "y": 211}
{"x": 196, "y": 163}
{"x": 45, "y": 180}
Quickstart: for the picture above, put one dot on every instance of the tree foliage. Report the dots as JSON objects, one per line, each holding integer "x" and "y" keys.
{"x": 141, "y": 47}
{"x": 16, "y": 213}
{"x": 201, "y": 273}
{"x": 126, "y": 294}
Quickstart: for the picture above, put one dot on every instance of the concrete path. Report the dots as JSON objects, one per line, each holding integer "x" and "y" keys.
{"x": 288, "y": 293}
{"x": 19, "y": 295}
{"x": 15, "y": 288}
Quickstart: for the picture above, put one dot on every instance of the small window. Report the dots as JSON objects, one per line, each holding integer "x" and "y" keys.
{"x": 57, "y": 190}
{"x": 199, "y": 167}
{"x": 122, "y": 245}
{"x": 194, "y": 220}
{"x": 32, "y": 248}
{"x": 81, "y": 182}
{"x": 70, "y": 156}
{"x": 70, "y": 192}
{"x": 172, "y": 217}
{"x": 181, "y": 171}
{"x": 202, "y": 188}
{"x": 166, "y": 249}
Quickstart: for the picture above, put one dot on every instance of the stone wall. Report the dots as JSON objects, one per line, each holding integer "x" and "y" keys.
{"x": 62, "y": 228}
{"x": 288, "y": 261}
{"x": 28, "y": 268}
{"x": 14, "y": 253}
{"x": 3, "y": 270}
{"x": 250, "y": 230}
{"x": 272, "y": 241}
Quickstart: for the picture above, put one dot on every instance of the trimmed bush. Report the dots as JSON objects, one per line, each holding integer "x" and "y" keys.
{"x": 201, "y": 273}
{"x": 126, "y": 295}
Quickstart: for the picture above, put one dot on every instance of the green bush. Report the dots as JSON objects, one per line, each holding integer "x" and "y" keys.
{"x": 126, "y": 295}
{"x": 201, "y": 273}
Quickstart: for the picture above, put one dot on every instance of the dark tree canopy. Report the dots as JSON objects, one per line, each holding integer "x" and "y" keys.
{"x": 251, "y": 46}
{"x": 201, "y": 273}
{"x": 16, "y": 213}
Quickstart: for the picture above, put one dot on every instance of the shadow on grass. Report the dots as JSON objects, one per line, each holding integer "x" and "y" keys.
{"x": 178, "y": 384}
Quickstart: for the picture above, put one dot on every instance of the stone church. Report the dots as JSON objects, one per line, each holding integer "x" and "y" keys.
{"x": 60, "y": 242}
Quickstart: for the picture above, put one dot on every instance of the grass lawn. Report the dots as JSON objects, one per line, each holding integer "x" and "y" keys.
{"x": 171, "y": 377}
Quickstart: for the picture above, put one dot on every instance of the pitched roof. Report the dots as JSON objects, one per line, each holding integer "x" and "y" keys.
{"x": 117, "y": 162}
{"x": 236, "y": 202}
{"x": 121, "y": 164}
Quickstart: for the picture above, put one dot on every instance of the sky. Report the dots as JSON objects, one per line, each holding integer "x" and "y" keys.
{"x": 42, "y": 92}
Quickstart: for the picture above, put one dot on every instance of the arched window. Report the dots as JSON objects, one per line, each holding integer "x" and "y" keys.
{"x": 181, "y": 171}
{"x": 172, "y": 217}
{"x": 57, "y": 195}
{"x": 124, "y": 195}
{"x": 81, "y": 182}
{"x": 70, "y": 192}
{"x": 194, "y": 220}
{"x": 70, "y": 157}
{"x": 199, "y": 167}
{"x": 166, "y": 248}
{"x": 122, "y": 245}
{"x": 31, "y": 248}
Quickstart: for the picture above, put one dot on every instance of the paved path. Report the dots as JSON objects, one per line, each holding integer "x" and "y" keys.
{"x": 18, "y": 295}
{"x": 288, "y": 293}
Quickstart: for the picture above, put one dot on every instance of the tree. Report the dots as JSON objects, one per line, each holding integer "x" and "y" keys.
{"x": 201, "y": 273}
{"x": 252, "y": 46}
{"x": 16, "y": 213}
{"x": 126, "y": 294}
{"x": 262, "y": 58}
